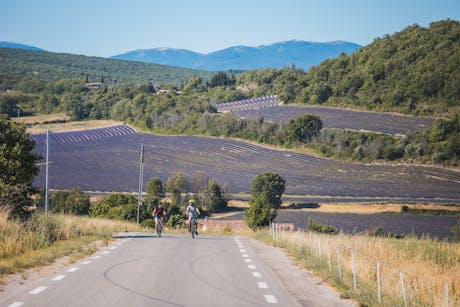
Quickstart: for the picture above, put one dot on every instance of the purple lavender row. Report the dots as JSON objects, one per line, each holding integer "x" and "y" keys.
{"x": 84, "y": 135}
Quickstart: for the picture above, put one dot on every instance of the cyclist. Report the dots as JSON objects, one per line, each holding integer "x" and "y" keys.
{"x": 158, "y": 214}
{"x": 192, "y": 212}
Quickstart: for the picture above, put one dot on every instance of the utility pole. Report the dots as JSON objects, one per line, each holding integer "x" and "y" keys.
{"x": 141, "y": 179}
{"x": 46, "y": 173}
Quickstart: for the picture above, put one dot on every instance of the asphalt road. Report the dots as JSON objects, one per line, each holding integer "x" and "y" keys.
{"x": 174, "y": 270}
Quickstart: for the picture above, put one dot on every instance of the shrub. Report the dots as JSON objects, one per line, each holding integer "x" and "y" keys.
{"x": 148, "y": 223}
{"x": 317, "y": 227}
{"x": 175, "y": 221}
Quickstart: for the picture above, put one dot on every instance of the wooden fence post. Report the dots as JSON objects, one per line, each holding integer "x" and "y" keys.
{"x": 401, "y": 276}
{"x": 353, "y": 269}
{"x": 379, "y": 293}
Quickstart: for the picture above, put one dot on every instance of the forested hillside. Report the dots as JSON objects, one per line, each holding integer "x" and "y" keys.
{"x": 415, "y": 71}
{"x": 17, "y": 64}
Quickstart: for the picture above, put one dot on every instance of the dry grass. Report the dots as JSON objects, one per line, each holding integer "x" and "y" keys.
{"x": 73, "y": 126}
{"x": 44, "y": 238}
{"x": 427, "y": 266}
{"x": 41, "y": 118}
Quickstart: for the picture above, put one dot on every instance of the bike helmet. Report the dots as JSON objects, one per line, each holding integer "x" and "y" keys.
{"x": 191, "y": 201}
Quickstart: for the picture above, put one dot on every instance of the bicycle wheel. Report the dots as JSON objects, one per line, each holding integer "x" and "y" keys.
{"x": 158, "y": 229}
{"x": 193, "y": 228}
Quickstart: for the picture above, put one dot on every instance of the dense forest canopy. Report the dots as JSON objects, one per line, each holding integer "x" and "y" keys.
{"x": 16, "y": 64}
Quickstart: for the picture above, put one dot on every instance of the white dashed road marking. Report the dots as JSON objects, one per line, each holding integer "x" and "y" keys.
{"x": 251, "y": 267}
{"x": 256, "y": 274}
{"x": 245, "y": 256}
{"x": 242, "y": 250}
{"x": 38, "y": 290}
{"x": 248, "y": 260}
{"x": 86, "y": 262}
{"x": 106, "y": 252}
{"x": 58, "y": 277}
{"x": 262, "y": 285}
{"x": 96, "y": 257}
{"x": 16, "y": 304}
{"x": 271, "y": 299}
{"x": 74, "y": 269}
{"x": 114, "y": 247}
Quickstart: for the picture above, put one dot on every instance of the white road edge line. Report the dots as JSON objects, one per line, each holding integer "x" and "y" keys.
{"x": 271, "y": 299}
{"x": 106, "y": 252}
{"x": 58, "y": 277}
{"x": 38, "y": 290}
{"x": 74, "y": 269}
{"x": 96, "y": 257}
{"x": 262, "y": 285}
{"x": 85, "y": 262}
{"x": 16, "y": 304}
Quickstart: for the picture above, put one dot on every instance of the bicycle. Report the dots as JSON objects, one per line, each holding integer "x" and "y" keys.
{"x": 193, "y": 225}
{"x": 159, "y": 227}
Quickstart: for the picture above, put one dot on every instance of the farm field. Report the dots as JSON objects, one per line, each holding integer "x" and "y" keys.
{"x": 381, "y": 122}
{"x": 397, "y": 224}
{"x": 107, "y": 159}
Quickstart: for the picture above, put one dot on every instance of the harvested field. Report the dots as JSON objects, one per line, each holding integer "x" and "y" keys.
{"x": 107, "y": 159}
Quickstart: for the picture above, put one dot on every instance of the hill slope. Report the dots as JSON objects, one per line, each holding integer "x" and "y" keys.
{"x": 19, "y": 46}
{"x": 414, "y": 71}
{"x": 300, "y": 53}
{"x": 19, "y": 63}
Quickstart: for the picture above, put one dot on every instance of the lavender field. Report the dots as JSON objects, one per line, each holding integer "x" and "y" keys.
{"x": 270, "y": 110}
{"x": 418, "y": 225}
{"x": 107, "y": 159}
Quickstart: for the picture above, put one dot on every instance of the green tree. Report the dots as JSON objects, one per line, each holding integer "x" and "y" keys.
{"x": 302, "y": 129}
{"x": 8, "y": 104}
{"x": 213, "y": 199}
{"x": 70, "y": 202}
{"x": 176, "y": 185}
{"x": 266, "y": 192}
{"x": 154, "y": 189}
{"x": 17, "y": 167}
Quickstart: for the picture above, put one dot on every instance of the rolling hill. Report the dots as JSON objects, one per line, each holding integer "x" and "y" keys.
{"x": 20, "y": 63}
{"x": 19, "y": 46}
{"x": 300, "y": 53}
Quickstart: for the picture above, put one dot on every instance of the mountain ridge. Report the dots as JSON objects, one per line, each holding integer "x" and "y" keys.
{"x": 303, "y": 54}
{"x": 19, "y": 46}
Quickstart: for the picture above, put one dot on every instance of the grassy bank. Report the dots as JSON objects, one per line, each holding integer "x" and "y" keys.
{"x": 427, "y": 267}
{"x": 45, "y": 238}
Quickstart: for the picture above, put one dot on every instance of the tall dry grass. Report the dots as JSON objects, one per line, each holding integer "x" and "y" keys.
{"x": 44, "y": 238}
{"x": 427, "y": 266}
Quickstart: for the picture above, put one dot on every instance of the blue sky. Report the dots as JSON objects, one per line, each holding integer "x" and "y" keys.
{"x": 109, "y": 27}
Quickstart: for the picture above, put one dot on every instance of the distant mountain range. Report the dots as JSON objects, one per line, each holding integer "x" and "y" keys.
{"x": 300, "y": 53}
{"x": 19, "y": 46}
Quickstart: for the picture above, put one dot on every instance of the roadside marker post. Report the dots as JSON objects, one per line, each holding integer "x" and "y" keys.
{"x": 401, "y": 276}
{"x": 379, "y": 293}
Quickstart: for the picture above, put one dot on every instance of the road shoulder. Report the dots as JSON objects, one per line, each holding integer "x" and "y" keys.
{"x": 299, "y": 283}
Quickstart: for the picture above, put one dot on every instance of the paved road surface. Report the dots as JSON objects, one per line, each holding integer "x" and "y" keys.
{"x": 175, "y": 270}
